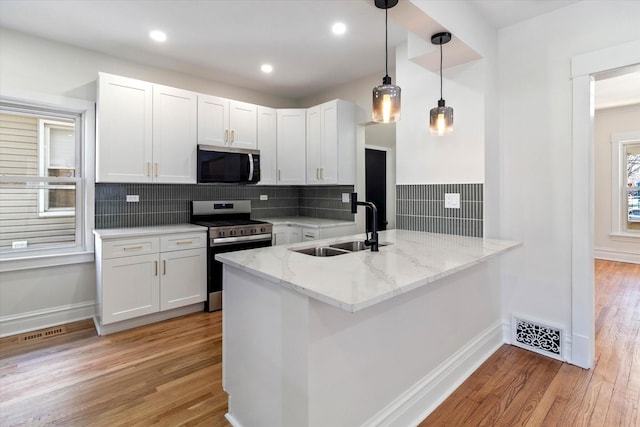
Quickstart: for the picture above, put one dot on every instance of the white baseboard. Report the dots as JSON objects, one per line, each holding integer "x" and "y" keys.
{"x": 41, "y": 319}
{"x": 582, "y": 354}
{"x": 617, "y": 255}
{"x": 409, "y": 410}
{"x": 232, "y": 420}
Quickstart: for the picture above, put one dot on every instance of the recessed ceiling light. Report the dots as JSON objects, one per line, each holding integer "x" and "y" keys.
{"x": 339, "y": 28}
{"x": 266, "y": 68}
{"x": 158, "y": 36}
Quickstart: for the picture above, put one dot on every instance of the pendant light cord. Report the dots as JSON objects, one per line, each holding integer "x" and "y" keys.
{"x": 386, "y": 42}
{"x": 440, "y": 70}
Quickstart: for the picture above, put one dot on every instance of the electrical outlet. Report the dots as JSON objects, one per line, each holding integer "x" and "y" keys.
{"x": 133, "y": 198}
{"x": 452, "y": 200}
{"x": 20, "y": 244}
{"x": 264, "y": 197}
{"x": 346, "y": 198}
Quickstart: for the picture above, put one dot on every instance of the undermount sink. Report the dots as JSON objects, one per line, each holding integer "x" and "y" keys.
{"x": 354, "y": 246}
{"x": 336, "y": 249}
{"x": 322, "y": 251}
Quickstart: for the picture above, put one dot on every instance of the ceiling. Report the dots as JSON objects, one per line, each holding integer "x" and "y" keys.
{"x": 228, "y": 40}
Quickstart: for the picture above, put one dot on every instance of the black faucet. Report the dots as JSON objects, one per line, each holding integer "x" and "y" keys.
{"x": 373, "y": 242}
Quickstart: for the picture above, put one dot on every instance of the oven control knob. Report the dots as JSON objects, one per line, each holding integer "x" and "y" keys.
{"x": 221, "y": 233}
{"x": 232, "y": 232}
{"x": 262, "y": 229}
{"x": 253, "y": 231}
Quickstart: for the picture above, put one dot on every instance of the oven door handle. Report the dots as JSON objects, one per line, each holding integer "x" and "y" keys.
{"x": 250, "y": 167}
{"x": 221, "y": 241}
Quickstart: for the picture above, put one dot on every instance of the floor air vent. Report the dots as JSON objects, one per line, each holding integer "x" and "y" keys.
{"x": 43, "y": 333}
{"x": 543, "y": 339}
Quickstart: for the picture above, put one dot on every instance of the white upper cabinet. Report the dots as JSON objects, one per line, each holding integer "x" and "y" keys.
{"x": 291, "y": 146}
{"x": 331, "y": 143}
{"x": 227, "y": 123}
{"x": 145, "y": 133}
{"x": 267, "y": 144}
{"x": 124, "y": 129}
{"x": 174, "y": 135}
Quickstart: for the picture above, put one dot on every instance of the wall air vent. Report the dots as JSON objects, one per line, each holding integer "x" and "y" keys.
{"x": 537, "y": 337}
{"x": 43, "y": 333}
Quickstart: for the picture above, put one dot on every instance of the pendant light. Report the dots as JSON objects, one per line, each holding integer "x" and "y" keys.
{"x": 441, "y": 117}
{"x": 386, "y": 97}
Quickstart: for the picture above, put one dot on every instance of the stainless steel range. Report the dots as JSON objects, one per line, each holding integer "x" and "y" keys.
{"x": 230, "y": 229}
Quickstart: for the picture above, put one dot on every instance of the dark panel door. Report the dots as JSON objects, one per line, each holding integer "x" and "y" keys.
{"x": 376, "y": 182}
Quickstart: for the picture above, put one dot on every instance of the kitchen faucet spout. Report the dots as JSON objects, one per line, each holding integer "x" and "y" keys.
{"x": 373, "y": 242}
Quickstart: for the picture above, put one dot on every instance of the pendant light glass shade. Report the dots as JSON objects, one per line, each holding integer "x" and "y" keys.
{"x": 386, "y": 102}
{"x": 441, "y": 117}
{"x": 386, "y": 97}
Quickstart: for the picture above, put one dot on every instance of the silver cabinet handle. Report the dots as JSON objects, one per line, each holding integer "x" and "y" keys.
{"x": 233, "y": 136}
{"x": 148, "y": 168}
{"x": 156, "y": 169}
{"x": 132, "y": 248}
{"x": 185, "y": 242}
{"x": 279, "y": 175}
{"x": 226, "y": 135}
{"x": 164, "y": 266}
{"x": 155, "y": 264}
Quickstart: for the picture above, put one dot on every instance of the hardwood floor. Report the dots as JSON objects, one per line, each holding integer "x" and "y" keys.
{"x": 170, "y": 374}
{"x": 515, "y": 387}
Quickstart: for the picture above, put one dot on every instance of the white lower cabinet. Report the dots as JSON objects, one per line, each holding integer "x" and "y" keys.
{"x": 182, "y": 278}
{"x": 286, "y": 233}
{"x": 148, "y": 275}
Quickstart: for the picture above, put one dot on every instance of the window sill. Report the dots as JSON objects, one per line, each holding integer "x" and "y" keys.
{"x": 625, "y": 237}
{"x": 42, "y": 261}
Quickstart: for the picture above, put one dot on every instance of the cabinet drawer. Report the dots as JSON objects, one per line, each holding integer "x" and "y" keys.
{"x": 310, "y": 234}
{"x": 128, "y": 247}
{"x": 178, "y": 242}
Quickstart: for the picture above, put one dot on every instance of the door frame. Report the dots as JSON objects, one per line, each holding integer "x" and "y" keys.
{"x": 584, "y": 67}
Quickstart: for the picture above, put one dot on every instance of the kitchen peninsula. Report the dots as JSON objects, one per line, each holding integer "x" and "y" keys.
{"x": 361, "y": 338}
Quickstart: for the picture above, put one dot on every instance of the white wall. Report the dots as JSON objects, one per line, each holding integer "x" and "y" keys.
{"x": 39, "y": 65}
{"x": 38, "y": 298}
{"x": 536, "y": 141}
{"x": 607, "y": 122}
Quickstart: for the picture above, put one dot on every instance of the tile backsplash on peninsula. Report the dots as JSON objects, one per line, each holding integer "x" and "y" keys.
{"x": 164, "y": 204}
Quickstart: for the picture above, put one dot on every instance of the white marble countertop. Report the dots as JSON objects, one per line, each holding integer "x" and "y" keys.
{"x": 119, "y": 233}
{"x": 358, "y": 280}
{"x": 307, "y": 221}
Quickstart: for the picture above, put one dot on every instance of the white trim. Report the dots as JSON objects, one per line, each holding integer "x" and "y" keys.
{"x": 617, "y": 255}
{"x": 45, "y": 260}
{"x": 582, "y": 223}
{"x": 619, "y": 56}
{"x": 409, "y": 408}
{"x": 40, "y": 319}
{"x": 625, "y": 237}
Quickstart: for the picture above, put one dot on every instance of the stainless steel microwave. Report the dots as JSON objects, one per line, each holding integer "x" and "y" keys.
{"x": 228, "y": 165}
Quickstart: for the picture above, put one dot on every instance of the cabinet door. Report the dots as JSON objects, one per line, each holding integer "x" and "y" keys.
{"x": 213, "y": 120}
{"x": 130, "y": 287}
{"x": 291, "y": 146}
{"x": 294, "y": 234}
{"x": 124, "y": 129}
{"x": 279, "y": 235}
{"x": 183, "y": 279}
{"x": 267, "y": 144}
{"x": 314, "y": 145}
{"x": 243, "y": 125}
{"x": 174, "y": 135}
{"x": 329, "y": 143}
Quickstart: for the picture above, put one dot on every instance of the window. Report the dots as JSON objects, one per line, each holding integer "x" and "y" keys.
{"x": 46, "y": 191}
{"x": 631, "y": 172}
{"x": 625, "y": 156}
{"x": 58, "y": 154}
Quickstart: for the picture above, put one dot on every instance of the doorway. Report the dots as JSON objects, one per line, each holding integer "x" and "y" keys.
{"x": 376, "y": 185}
